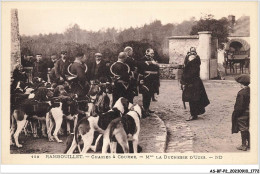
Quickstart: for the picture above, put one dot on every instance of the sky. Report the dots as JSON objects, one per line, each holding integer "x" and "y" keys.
{"x": 48, "y": 18}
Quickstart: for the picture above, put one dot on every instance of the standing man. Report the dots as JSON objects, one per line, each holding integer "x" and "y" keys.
{"x": 61, "y": 67}
{"x": 133, "y": 64}
{"x": 150, "y": 57}
{"x": 130, "y": 61}
{"x": 97, "y": 70}
{"x": 151, "y": 78}
{"x": 78, "y": 69}
{"x": 51, "y": 69}
{"x": 52, "y": 61}
{"x": 40, "y": 68}
{"x": 120, "y": 70}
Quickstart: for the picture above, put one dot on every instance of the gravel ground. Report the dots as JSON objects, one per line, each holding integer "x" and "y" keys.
{"x": 212, "y": 131}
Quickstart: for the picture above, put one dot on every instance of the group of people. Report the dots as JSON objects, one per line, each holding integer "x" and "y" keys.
{"x": 132, "y": 76}
{"x": 129, "y": 75}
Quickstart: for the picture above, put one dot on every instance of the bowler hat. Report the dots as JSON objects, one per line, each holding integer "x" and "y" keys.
{"x": 98, "y": 54}
{"x": 244, "y": 79}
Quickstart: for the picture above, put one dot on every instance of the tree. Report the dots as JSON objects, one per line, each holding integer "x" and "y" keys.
{"x": 219, "y": 28}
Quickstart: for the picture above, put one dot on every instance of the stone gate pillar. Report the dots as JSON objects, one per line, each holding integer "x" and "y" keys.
{"x": 204, "y": 51}
{"x": 15, "y": 40}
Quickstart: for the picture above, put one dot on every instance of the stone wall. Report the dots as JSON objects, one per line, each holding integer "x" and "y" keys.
{"x": 206, "y": 47}
{"x": 15, "y": 39}
{"x": 179, "y": 46}
{"x": 168, "y": 71}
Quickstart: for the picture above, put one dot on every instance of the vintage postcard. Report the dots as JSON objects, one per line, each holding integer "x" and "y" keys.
{"x": 129, "y": 83}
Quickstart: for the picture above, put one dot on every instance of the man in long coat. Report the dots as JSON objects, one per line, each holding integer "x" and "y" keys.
{"x": 240, "y": 116}
{"x": 194, "y": 91}
{"x": 149, "y": 70}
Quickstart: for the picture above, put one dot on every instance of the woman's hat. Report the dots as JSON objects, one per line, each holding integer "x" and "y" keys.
{"x": 244, "y": 79}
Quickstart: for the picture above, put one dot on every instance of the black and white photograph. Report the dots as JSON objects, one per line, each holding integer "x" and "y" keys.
{"x": 103, "y": 78}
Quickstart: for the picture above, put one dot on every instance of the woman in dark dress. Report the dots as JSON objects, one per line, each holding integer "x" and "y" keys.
{"x": 193, "y": 88}
{"x": 240, "y": 116}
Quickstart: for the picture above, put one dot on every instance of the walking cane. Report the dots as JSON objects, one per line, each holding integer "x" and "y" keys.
{"x": 184, "y": 105}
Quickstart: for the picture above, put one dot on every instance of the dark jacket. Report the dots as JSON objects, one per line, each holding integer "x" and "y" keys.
{"x": 151, "y": 80}
{"x": 131, "y": 62}
{"x": 194, "y": 90}
{"x": 121, "y": 71}
{"x": 79, "y": 85}
{"x": 241, "y": 110}
{"x": 97, "y": 71}
{"x": 18, "y": 75}
{"x": 40, "y": 69}
{"x": 60, "y": 68}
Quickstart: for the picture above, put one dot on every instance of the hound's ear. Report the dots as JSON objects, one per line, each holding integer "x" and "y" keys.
{"x": 56, "y": 91}
{"x": 124, "y": 102}
{"x": 130, "y": 106}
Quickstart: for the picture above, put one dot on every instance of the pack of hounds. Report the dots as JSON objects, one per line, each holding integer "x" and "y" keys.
{"x": 92, "y": 123}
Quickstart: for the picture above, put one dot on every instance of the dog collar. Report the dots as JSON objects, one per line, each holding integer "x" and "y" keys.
{"x": 137, "y": 114}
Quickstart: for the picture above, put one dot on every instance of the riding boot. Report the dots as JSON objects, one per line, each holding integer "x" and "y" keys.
{"x": 248, "y": 139}
{"x": 244, "y": 138}
{"x": 153, "y": 98}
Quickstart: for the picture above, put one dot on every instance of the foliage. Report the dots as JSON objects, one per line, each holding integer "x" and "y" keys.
{"x": 107, "y": 41}
{"x": 219, "y": 28}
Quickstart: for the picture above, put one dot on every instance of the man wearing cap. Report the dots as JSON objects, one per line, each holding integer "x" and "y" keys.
{"x": 120, "y": 71}
{"x": 97, "y": 70}
{"x": 150, "y": 71}
{"x": 40, "y": 68}
{"x": 78, "y": 70}
{"x": 61, "y": 67}
{"x": 240, "y": 116}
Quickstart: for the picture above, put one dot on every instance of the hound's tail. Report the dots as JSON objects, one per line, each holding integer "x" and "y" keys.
{"x": 118, "y": 134}
{"x": 76, "y": 136}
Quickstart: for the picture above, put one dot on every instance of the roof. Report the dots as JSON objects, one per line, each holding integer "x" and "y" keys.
{"x": 184, "y": 37}
{"x": 241, "y": 27}
{"x": 244, "y": 43}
